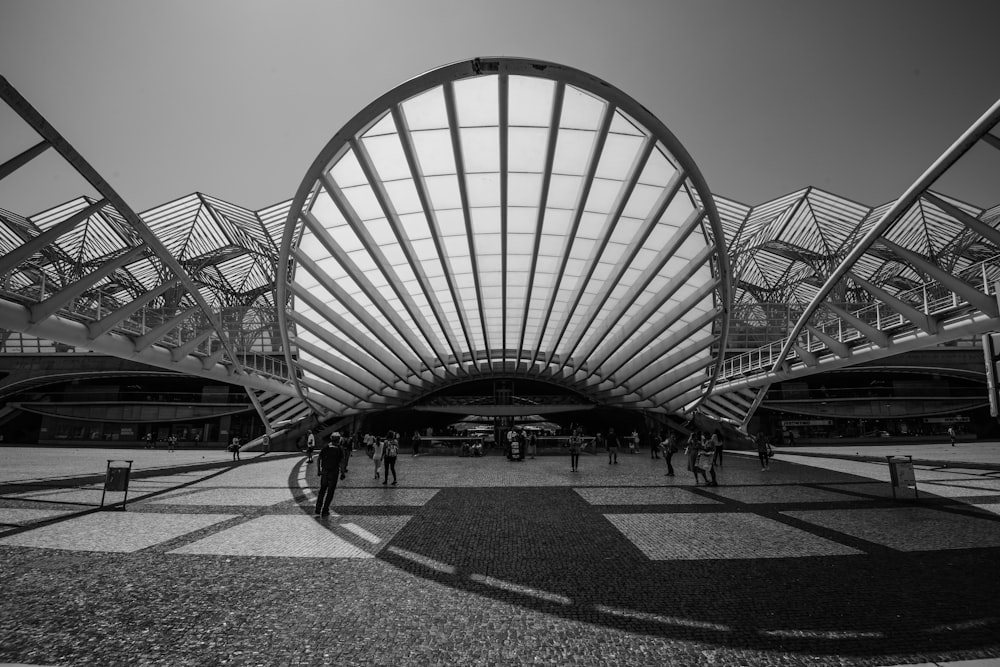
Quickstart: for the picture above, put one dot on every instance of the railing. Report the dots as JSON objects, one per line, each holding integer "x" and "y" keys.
{"x": 259, "y": 356}
{"x": 931, "y": 298}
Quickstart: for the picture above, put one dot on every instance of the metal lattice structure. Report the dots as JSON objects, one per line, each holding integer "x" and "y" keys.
{"x": 498, "y": 218}
{"x": 505, "y": 218}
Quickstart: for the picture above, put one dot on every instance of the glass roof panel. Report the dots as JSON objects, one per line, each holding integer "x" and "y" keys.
{"x": 558, "y": 298}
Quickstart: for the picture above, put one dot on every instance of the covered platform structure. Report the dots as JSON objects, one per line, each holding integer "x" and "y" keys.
{"x": 496, "y": 220}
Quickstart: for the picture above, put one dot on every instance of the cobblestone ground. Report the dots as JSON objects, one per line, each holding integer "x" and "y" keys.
{"x": 485, "y": 562}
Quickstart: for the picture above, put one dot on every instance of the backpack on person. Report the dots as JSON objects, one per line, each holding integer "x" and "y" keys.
{"x": 392, "y": 448}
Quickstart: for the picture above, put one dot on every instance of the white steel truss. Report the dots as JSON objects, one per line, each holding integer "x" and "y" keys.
{"x": 508, "y": 218}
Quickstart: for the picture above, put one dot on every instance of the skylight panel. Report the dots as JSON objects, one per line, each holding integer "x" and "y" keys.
{"x": 426, "y": 111}
{"x": 480, "y": 149}
{"x": 477, "y": 101}
{"x": 387, "y": 156}
{"x": 444, "y": 192}
{"x": 530, "y": 101}
{"x": 434, "y": 152}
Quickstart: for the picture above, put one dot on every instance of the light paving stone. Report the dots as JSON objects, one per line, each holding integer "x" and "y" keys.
{"x": 982, "y": 483}
{"x": 908, "y": 528}
{"x": 989, "y": 507}
{"x": 947, "y": 490}
{"x": 301, "y": 537}
{"x": 225, "y": 497}
{"x": 639, "y": 496}
{"x": 688, "y": 536}
{"x": 79, "y": 496}
{"x": 778, "y": 493}
{"x": 23, "y": 516}
{"x": 382, "y": 497}
{"x": 113, "y": 531}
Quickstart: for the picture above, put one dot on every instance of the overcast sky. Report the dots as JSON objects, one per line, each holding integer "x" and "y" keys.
{"x": 235, "y": 99}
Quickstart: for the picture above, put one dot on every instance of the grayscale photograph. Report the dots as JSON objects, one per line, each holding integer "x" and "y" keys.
{"x": 551, "y": 332}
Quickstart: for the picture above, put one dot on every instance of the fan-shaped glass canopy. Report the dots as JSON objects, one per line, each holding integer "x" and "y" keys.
{"x": 504, "y": 217}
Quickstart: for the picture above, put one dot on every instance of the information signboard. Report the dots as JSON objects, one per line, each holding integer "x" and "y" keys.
{"x": 901, "y": 474}
{"x": 116, "y": 479}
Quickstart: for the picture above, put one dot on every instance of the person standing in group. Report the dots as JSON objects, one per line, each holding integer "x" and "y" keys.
{"x": 391, "y": 452}
{"x": 706, "y": 461}
{"x": 613, "y": 444}
{"x": 693, "y": 450}
{"x": 328, "y": 465}
{"x": 669, "y": 446}
{"x": 575, "y": 445}
{"x": 171, "y": 442}
{"x": 951, "y": 434}
{"x": 310, "y": 446}
{"x": 378, "y": 451}
{"x": 716, "y": 443}
{"x": 234, "y": 447}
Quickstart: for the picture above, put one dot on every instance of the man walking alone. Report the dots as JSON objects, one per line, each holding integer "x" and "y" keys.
{"x": 328, "y": 466}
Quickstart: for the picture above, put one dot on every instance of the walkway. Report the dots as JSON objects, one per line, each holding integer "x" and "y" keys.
{"x": 483, "y": 561}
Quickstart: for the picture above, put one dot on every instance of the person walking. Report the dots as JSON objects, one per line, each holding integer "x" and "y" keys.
{"x": 171, "y": 442}
{"x": 669, "y": 446}
{"x": 532, "y": 444}
{"x": 706, "y": 461}
{"x": 345, "y": 444}
{"x": 633, "y": 442}
{"x": 763, "y": 451}
{"x": 655, "y": 446}
{"x": 328, "y": 468}
{"x": 310, "y": 446}
{"x": 716, "y": 443}
{"x": 692, "y": 451}
{"x": 575, "y": 445}
{"x": 613, "y": 444}
{"x": 267, "y": 443}
{"x": 415, "y": 442}
{"x": 951, "y": 434}
{"x": 234, "y": 447}
{"x": 389, "y": 462}
{"x": 378, "y": 451}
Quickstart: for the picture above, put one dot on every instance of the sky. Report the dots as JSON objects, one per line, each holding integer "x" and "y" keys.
{"x": 236, "y": 98}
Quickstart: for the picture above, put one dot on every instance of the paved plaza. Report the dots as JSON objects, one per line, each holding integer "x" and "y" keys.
{"x": 488, "y": 562}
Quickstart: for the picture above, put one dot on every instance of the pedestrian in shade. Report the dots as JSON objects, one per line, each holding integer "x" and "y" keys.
{"x": 328, "y": 467}
{"x": 655, "y": 446}
{"x": 345, "y": 444}
{"x": 310, "y": 446}
{"x": 706, "y": 460}
{"x": 763, "y": 450}
{"x": 378, "y": 451}
{"x": 716, "y": 444}
{"x": 575, "y": 445}
{"x": 669, "y": 447}
{"x": 693, "y": 451}
{"x": 391, "y": 452}
{"x": 614, "y": 444}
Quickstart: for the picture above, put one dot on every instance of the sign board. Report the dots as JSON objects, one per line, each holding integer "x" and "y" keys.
{"x": 957, "y": 419}
{"x": 116, "y": 479}
{"x": 901, "y": 474}
{"x": 806, "y": 422}
{"x": 990, "y": 359}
